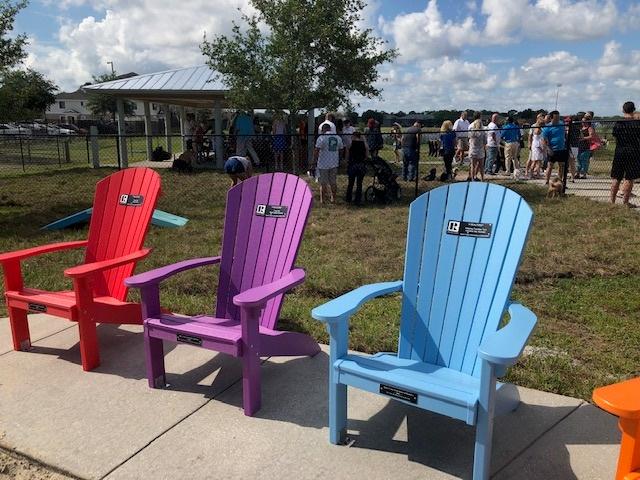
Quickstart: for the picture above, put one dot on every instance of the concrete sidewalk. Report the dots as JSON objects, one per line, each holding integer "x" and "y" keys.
{"x": 109, "y": 424}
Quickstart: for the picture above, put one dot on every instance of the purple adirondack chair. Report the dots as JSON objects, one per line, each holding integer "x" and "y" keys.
{"x": 264, "y": 221}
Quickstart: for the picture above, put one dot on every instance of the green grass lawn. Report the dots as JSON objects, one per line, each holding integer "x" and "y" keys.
{"x": 580, "y": 273}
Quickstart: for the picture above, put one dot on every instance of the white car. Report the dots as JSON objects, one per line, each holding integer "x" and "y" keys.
{"x": 56, "y": 130}
{"x": 6, "y": 129}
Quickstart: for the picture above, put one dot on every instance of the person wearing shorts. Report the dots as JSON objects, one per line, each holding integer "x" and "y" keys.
{"x": 327, "y": 158}
{"x": 553, "y": 135}
{"x": 626, "y": 158}
{"x": 461, "y": 129}
{"x": 238, "y": 168}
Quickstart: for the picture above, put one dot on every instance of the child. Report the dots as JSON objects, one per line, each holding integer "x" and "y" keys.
{"x": 327, "y": 159}
{"x": 238, "y": 168}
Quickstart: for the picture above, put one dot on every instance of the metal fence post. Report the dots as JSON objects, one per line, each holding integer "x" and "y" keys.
{"x": 67, "y": 153}
{"x": 566, "y": 158}
{"x": 95, "y": 148}
{"x": 21, "y": 152}
{"x": 58, "y": 145}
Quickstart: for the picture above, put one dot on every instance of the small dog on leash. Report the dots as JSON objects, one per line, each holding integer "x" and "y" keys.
{"x": 555, "y": 188}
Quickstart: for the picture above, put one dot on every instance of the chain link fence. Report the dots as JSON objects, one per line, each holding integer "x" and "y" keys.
{"x": 590, "y": 161}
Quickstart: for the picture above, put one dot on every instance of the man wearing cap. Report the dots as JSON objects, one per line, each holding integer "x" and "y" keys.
{"x": 553, "y": 136}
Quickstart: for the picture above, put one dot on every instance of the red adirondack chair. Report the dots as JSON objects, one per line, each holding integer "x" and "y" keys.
{"x": 122, "y": 209}
{"x": 264, "y": 222}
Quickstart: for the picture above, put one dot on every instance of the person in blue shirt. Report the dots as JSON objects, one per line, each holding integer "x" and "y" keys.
{"x": 448, "y": 145}
{"x": 244, "y": 131}
{"x": 511, "y": 136}
{"x": 553, "y": 136}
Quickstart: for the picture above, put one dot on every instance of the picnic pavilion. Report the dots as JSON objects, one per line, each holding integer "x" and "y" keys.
{"x": 191, "y": 87}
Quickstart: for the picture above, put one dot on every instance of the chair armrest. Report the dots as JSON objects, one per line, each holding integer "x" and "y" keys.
{"x": 158, "y": 275}
{"x": 504, "y": 346}
{"x": 95, "y": 267}
{"x": 258, "y": 296}
{"x": 621, "y": 399}
{"x": 32, "y": 252}
{"x": 346, "y": 305}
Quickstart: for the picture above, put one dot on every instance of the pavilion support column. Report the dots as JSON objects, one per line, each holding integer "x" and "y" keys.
{"x": 147, "y": 130}
{"x": 311, "y": 129}
{"x": 124, "y": 157}
{"x": 167, "y": 127}
{"x": 219, "y": 141}
{"x": 183, "y": 126}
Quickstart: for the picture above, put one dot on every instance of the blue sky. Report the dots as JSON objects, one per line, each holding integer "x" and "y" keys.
{"x": 492, "y": 54}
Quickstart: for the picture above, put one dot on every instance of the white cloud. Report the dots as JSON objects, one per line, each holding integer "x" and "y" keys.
{"x": 424, "y": 35}
{"x": 554, "y": 68}
{"x": 548, "y": 19}
{"x": 140, "y": 36}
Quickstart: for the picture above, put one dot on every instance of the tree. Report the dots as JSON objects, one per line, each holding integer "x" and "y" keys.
{"x": 314, "y": 54}
{"x": 376, "y": 115}
{"x": 25, "y": 95}
{"x": 11, "y": 49}
{"x": 104, "y": 104}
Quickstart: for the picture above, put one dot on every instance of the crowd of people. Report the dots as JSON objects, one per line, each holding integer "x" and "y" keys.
{"x": 488, "y": 146}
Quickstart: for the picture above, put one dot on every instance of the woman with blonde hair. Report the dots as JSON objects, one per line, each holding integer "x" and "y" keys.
{"x": 538, "y": 150}
{"x": 448, "y": 146}
{"x": 477, "y": 142}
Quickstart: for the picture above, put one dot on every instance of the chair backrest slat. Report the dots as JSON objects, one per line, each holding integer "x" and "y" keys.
{"x": 258, "y": 249}
{"x": 119, "y": 224}
{"x": 456, "y": 286}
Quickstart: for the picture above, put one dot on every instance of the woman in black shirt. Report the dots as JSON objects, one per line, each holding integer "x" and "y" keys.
{"x": 626, "y": 159}
{"x": 357, "y": 167}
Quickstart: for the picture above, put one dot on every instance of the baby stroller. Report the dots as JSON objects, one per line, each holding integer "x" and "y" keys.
{"x": 385, "y": 188}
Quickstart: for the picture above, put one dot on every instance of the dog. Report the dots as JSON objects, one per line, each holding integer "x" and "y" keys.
{"x": 555, "y": 188}
{"x": 431, "y": 177}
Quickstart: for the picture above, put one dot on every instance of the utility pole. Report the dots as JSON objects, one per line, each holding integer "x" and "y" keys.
{"x": 113, "y": 70}
{"x": 557, "y": 93}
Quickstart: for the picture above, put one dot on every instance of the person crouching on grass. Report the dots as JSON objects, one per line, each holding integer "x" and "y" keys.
{"x": 238, "y": 168}
{"x": 327, "y": 158}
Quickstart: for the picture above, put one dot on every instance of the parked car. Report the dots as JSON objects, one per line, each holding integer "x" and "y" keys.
{"x": 74, "y": 128}
{"x": 10, "y": 129}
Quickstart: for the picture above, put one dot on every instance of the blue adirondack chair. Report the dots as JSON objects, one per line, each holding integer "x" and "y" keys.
{"x": 464, "y": 244}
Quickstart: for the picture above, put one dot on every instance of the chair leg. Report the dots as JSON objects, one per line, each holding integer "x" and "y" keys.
{"x": 484, "y": 424}
{"x": 629, "y": 459}
{"x": 19, "y": 329}
{"x": 154, "y": 357}
{"x": 88, "y": 344}
{"x": 337, "y": 412}
{"x": 251, "y": 382}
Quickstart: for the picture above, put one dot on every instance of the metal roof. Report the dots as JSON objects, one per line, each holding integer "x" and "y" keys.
{"x": 191, "y": 86}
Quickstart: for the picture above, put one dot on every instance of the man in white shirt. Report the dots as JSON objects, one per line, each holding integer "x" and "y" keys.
{"x": 461, "y": 127}
{"x": 329, "y": 119}
{"x": 493, "y": 144}
{"x": 327, "y": 159}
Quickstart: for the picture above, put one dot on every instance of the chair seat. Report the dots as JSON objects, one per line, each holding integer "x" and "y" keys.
{"x": 222, "y": 334}
{"x": 437, "y": 388}
{"x": 63, "y": 304}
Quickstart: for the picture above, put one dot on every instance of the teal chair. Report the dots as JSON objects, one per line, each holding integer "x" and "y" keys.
{"x": 464, "y": 244}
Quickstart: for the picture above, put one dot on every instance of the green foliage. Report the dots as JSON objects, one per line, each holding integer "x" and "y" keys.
{"x": 25, "y": 95}
{"x": 104, "y": 104}
{"x": 11, "y": 49}
{"x": 313, "y": 54}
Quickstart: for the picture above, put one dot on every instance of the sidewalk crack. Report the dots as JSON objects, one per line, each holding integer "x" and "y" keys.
{"x": 171, "y": 427}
